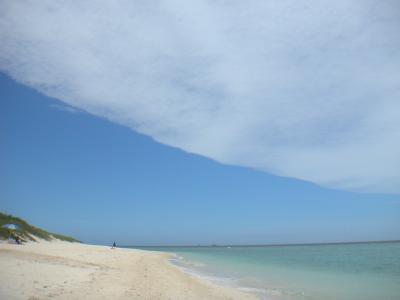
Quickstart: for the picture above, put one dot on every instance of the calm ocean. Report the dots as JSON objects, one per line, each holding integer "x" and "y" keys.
{"x": 368, "y": 271}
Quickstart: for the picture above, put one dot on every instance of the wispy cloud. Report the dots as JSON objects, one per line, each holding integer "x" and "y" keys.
{"x": 306, "y": 89}
{"x": 65, "y": 108}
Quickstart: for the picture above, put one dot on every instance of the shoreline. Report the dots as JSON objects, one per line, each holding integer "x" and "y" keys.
{"x": 189, "y": 267}
{"x": 64, "y": 270}
{"x": 219, "y": 280}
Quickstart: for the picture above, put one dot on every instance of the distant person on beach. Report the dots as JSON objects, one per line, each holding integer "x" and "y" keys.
{"x": 114, "y": 245}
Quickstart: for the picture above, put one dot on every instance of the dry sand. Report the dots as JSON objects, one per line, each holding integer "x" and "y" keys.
{"x": 62, "y": 270}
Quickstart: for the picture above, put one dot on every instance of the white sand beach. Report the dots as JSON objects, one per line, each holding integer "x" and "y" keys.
{"x": 62, "y": 270}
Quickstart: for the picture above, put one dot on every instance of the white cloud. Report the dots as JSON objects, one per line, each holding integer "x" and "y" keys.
{"x": 305, "y": 89}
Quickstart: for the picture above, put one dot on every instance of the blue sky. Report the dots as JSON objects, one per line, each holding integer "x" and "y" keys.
{"x": 74, "y": 173}
{"x": 181, "y": 122}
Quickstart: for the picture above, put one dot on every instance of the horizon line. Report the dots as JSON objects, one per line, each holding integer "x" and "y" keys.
{"x": 265, "y": 245}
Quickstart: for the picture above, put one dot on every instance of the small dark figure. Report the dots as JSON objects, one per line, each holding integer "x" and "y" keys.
{"x": 18, "y": 240}
{"x": 114, "y": 245}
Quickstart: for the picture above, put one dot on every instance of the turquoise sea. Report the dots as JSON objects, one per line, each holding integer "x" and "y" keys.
{"x": 365, "y": 271}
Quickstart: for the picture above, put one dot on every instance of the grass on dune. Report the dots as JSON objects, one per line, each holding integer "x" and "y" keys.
{"x": 27, "y": 231}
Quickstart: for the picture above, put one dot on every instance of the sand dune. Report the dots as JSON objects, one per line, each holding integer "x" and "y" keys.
{"x": 62, "y": 270}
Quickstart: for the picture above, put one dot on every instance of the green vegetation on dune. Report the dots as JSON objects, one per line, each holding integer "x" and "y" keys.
{"x": 27, "y": 231}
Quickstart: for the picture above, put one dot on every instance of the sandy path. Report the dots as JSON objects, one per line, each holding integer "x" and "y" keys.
{"x": 61, "y": 270}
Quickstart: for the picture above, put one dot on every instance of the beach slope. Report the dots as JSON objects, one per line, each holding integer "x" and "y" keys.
{"x": 62, "y": 270}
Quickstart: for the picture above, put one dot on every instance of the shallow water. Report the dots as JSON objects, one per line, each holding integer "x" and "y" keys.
{"x": 368, "y": 271}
